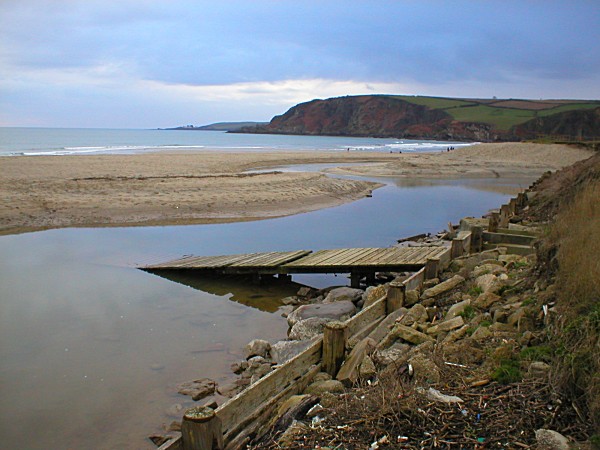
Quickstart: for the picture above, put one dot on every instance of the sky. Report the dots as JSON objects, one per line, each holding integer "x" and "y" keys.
{"x": 149, "y": 64}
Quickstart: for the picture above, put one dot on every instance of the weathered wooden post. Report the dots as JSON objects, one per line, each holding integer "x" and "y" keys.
{"x": 395, "y": 296}
{"x": 476, "y": 239}
{"x": 504, "y": 216}
{"x": 335, "y": 335}
{"x": 201, "y": 429}
{"x": 432, "y": 268}
{"x": 457, "y": 248}
{"x": 494, "y": 222}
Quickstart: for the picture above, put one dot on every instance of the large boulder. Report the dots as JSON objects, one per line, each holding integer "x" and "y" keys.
{"x": 344, "y": 294}
{"x": 283, "y": 351}
{"x": 443, "y": 287}
{"x": 374, "y": 293}
{"x": 341, "y": 310}
{"x": 488, "y": 283}
{"x": 408, "y": 334}
{"x": 457, "y": 309}
{"x": 308, "y": 328}
{"x": 416, "y": 314}
{"x": 258, "y": 347}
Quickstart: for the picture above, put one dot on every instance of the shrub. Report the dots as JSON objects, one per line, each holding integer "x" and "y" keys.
{"x": 509, "y": 371}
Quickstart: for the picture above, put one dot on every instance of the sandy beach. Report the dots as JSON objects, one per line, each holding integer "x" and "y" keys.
{"x": 208, "y": 187}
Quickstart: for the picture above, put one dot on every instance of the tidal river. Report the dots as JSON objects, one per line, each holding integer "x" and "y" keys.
{"x": 92, "y": 348}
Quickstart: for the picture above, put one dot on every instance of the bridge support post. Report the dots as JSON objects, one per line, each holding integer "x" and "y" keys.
{"x": 335, "y": 335}
{"x": 355, "y": 278}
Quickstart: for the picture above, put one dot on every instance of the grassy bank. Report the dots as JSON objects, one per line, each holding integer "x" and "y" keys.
{"x": 576, "y": 329}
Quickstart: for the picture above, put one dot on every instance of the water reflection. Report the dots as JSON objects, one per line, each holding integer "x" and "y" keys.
{"x": 265, "y": 296}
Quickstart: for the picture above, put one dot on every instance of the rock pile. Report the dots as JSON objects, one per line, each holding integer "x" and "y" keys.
{"x": 480, "y": 324}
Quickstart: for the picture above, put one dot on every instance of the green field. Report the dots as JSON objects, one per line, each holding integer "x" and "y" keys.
{"x": 467, "y": 110}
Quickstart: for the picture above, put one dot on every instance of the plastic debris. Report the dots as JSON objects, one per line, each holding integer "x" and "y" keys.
{"x": 437, "y": 396}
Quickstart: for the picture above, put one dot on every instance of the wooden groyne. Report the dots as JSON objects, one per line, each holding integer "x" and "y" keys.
{"x": 246, "y": 416}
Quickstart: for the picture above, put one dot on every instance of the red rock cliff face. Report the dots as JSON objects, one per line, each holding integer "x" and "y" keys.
{"x": 355, "y": 116}
{"x": 374, "y": 116}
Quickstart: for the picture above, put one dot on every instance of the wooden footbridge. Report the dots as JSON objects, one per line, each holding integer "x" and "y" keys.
{"x": 358, "y": 262}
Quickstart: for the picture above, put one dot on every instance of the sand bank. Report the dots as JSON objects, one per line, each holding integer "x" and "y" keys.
{"x": 207, "y": 187}
{"x": 508, "y": 160}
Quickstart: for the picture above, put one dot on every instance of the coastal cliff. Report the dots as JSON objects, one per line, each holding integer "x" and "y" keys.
{"x": 416, "y": 117}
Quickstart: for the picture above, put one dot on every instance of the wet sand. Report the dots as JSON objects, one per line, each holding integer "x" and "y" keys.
{"x": 211, "y": 187}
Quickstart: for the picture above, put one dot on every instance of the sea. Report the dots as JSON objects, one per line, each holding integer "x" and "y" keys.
{"x": 15, "y": 141}
{"x": 93, "y": 348}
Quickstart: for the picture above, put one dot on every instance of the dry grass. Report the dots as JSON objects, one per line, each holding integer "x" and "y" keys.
{"x": 577, "y": 337}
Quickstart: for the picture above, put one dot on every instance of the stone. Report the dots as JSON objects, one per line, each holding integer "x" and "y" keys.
{"x": 305, "y": 292}
{"x": 551, "y": 440}
{"x": 258, "y": 347}
{"x": 481, "y": 334}
{"x": 256, "y": 361}
{"x": 397, "y": 354}
{"x": 408, "y": 334}
{"x": 197, "y": 389}
{"x": 457, "y": 309}
{"x": 260, "y": 371}
{"x": 320, "y": 387}
{"x": 424, "y": 369}
{"x": 293, "y": 300}
{"x": 446, "y": 325}
{"x": 500, "y": 316}
{"x": 308, "y": 328}
{"x": 374, "y": 293}
{"x": 488, "y": 283}
{"x": 283, "y": 351}
{"x": 322, "y": 376}
{"x": 230, "y": 390}
{"x": 411, "y": 297}
{"x": 416, "y": 314}
{"x": 443, "y": 287}
{"x": 239, "y": 367}
{"x": 344, "y": 294}
{"x": 511, "y": 259}
{"x": 486, "y": 299}
{"x": 341, "y": 310}
{"x": 462, "y": 352}
{"x": 430, "y": 283}
{"x": 455, "y": 335}
{"x": 157, "y": 366}
{"x": 538, "y": 369}
{"x": 367, "y": 368}
{"x": 488, "y": 268}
